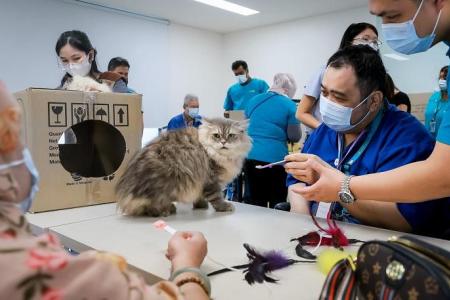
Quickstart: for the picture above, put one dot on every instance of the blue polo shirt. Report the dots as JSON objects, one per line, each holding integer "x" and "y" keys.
{"x": 444, "y": 130}
{"x": 399, "y": 140}
{"x": 435, "y": 111}
{"x": 178, "y": 122}
{"x": 239, "y": 95}
{"x": 270, "y": 114}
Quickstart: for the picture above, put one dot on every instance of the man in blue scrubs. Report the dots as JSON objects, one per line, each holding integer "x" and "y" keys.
{"x": 360, "y": 135}
{"x": 190, "y": 116}
{"x": 240, "y": 93}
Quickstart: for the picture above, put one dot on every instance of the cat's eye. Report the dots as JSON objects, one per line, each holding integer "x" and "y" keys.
{"x": 216, "y": 136}
{"x": 231, "y": 135}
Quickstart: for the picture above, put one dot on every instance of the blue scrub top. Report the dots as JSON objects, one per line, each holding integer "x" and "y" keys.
{"x": 270, "y": 114}
{"x": 178, "y": 122}
{"x": 435, "y": 111}
{"x": 444, "y": 131}
{"x": 392, "y": 146}
{"x": 239, "y": 95}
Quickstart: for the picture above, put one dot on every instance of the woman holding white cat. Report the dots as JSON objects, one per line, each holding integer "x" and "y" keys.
{"x": 77, "y": 57}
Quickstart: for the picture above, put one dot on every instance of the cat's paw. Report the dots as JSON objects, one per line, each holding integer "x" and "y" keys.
{"x": 223, "y": 206}
{"x": 200, "y": 204}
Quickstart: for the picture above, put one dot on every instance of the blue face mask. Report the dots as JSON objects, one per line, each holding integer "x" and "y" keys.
{"x": 339, "y": 117}
{"x": 193, "y": 112}
{"x": 26, "y": 203}
{"x": 403, "y": 38}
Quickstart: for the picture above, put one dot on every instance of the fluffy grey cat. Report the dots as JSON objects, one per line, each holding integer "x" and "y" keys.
{"x": 188, "y": 165}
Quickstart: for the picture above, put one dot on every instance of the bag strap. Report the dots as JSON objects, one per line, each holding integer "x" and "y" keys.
{"x": 340, "y": 283}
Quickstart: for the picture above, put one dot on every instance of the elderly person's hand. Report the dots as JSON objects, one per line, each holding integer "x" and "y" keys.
{"x": 187, "y": 249}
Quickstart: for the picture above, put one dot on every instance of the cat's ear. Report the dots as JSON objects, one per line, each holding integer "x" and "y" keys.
{"x": 243, "y": 125}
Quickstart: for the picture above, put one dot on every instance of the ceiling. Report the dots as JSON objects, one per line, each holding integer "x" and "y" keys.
{"x": 195, "y": 14}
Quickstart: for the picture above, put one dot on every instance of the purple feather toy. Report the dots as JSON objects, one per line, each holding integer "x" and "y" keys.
{"x": 261, "y": 264}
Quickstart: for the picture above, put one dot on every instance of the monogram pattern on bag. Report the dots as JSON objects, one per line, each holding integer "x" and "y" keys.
{"x": 431, "y": 286}
{"x": 413, "y": 294}
{"x": 373, "y": 249}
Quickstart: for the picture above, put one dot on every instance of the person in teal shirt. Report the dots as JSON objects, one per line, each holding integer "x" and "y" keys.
{"x": 238, "y": 97}
{"x": 437, "y": 105}
{"x": 272, "y": 126}
{"x": 239, "y": 94}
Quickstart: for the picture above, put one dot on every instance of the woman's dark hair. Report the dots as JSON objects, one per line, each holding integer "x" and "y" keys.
{"x": 80, "y": 41}
{"x": 367, "y": 65}
{"x": 352, "y": 31}
{"x": 444, "y": 70}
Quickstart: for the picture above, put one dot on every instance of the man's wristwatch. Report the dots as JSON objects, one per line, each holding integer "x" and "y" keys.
{"x": 345, "y": 195}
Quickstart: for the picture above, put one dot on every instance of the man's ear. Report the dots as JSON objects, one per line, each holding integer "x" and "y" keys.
{"x": 377, "y": 101}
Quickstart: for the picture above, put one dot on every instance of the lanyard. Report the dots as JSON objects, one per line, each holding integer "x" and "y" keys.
{"x": 339, "y": 163}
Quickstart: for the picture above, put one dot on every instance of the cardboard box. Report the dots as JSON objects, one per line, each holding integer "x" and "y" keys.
{"x": 47, "y": 114}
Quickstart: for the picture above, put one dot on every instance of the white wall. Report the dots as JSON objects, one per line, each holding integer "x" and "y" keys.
{"x": 196, "y": 66}
{"x": 29, "y": 30}
{"x": 299, "y": 47}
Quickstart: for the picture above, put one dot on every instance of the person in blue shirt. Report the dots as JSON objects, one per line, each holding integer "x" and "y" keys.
{"x": 272, "y": 125}
{"x": 121, "y": 66}
{"x": 360, "y": 135}
{"x": 190, "y": 116}
{"x": 437, "y": 105}
{"x": 239, "y": 94}
{"x": 412, "y": 27}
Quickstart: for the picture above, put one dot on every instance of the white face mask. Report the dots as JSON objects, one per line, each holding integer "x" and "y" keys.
{"x": 26, "y": 203}
{"x": 241, "y": 78}
{"x": 403, "y": 38}
{"x": 193, "y": 112}
{"x": 80, "y": 69}
{"x": 443, "y": 84}
{"x": 338, "y": 117}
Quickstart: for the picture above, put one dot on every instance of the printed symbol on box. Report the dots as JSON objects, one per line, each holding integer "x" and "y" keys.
{"x": 120, "y": 114}
{"x": 101, "y": 112}
{"x": 80, "y": 112}
{"x": 57, "y": 114}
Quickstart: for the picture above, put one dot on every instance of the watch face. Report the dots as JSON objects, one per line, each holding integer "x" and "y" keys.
{"x": 346, "y": 197}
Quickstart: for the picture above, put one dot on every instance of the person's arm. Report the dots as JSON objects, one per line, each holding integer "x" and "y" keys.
{"x": 228, "y": 104}
{"x": 415, "y": 182}
{"x": 298, "y": 203}
{"x": 304, "y": 112}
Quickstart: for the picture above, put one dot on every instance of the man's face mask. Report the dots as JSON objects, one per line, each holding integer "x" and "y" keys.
{"x": 338, "y": 117}
{"x": 403, "y": 38}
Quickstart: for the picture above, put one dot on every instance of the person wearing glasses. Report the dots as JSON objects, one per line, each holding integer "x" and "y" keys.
{"x": 308, "y": 110}
{"x": 77, "y": 57}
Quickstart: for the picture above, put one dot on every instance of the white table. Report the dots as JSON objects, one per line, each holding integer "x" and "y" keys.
{"x": 41, "y": 222}
{"x": 144, "y": 247}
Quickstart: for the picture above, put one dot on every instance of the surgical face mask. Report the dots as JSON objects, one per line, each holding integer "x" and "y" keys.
{"x": 80, "y": 69}
{"x": 241, "y": 78}
{"x": 193, "y": 112}
{"x": 338, "y": 117}
{"x": 443, "y": 84}
{"x": 26, "y": 203}
{"x": 403, "y": 38}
